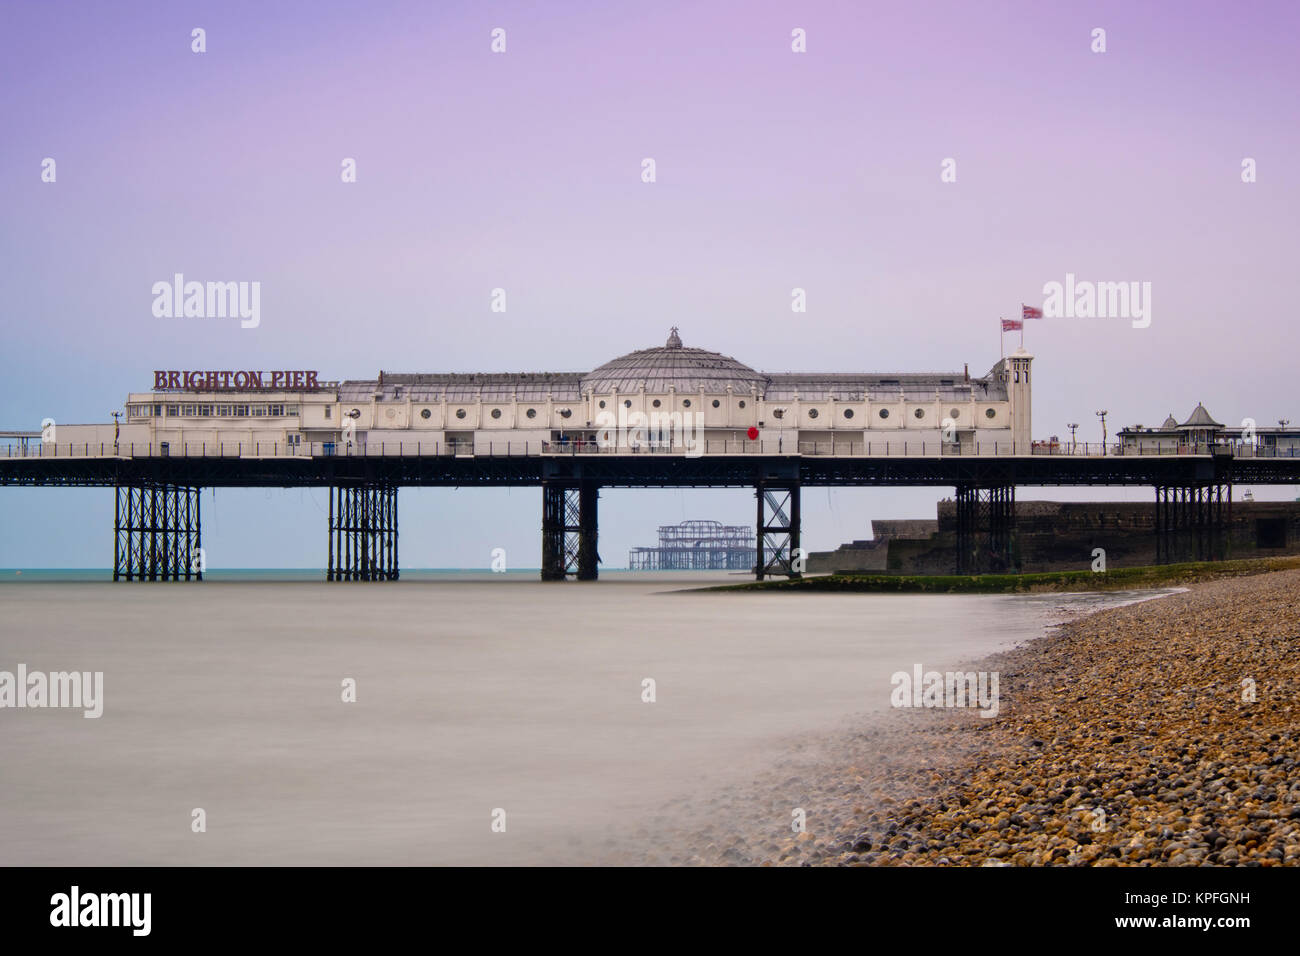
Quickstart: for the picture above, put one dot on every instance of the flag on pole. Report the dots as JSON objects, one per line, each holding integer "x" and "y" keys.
{"x": 1029, "y": 312}
{"x": 1013, "y": 325}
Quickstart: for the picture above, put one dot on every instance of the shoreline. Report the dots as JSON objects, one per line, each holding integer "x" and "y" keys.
{"x": 1039, "y": 582}
{"x": 1123, "y": 739}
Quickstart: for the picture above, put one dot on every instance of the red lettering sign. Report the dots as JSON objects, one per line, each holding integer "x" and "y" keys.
{"x": 240, "y": 380}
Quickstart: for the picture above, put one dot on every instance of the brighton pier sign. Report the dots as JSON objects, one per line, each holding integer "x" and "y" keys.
{"x": 210, "y": 381}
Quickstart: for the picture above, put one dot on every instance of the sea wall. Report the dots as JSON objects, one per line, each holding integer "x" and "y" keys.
{"x": 1060, "y": 536}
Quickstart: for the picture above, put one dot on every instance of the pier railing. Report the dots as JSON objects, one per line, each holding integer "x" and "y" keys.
{"x": 889, "y": 448}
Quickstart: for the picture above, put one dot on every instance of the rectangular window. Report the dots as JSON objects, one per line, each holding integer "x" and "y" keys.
{"x": 173, "y": 409}
{"x": 258, "y": 411}
{"x": 292, "y": 410}
{"x": 205, "y": 411}
{"x": 327, "y": 411}
{"x": 157, "y": 411}
{"x": 189, "y": 410}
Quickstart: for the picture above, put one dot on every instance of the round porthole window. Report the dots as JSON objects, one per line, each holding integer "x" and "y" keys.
{"x": 953, "y": 413}
{"x": 627, "y": 403}
{"x": 425, "y": 413}
{"x": 812, "y": 413}
{"x": 716, "y": 403}
{"x": 656, "y": 403}
{"x": 884, "y": 413}
{"x": 565, "y": 412}
{"x": 919, "y": 413}
{"x": 531, "y": 413}
{"x": 602, "y": 403}
{"x": 686, "y": 403}
{"x": 848, "y": 413}
{"x": 496, "y": 413}
{"x": 460, "y": 413}
{"x": 778, "y": 413}
{"x": 990, "y": 413}
{"x": 742, "y": 403}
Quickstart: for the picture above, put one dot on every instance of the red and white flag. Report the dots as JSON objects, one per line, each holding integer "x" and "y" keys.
{"x": 1029, "y": 312}
{"x": 1012, "y": 325}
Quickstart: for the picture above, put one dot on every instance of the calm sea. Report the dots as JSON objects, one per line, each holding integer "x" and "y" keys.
{"x": 475, "y": 694}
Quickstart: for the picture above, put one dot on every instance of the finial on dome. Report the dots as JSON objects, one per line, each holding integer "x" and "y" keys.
{"x": 674, "y": 341}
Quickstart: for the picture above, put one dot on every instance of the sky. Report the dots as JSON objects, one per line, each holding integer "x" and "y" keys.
{"x": 522, "y": 170}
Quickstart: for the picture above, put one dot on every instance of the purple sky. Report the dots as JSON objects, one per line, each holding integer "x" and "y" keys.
{"x": 522, "y": 170}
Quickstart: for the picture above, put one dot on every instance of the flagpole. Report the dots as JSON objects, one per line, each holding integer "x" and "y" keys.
{"x": 1022, "y": 325}
{"x": 1002, "y": 339}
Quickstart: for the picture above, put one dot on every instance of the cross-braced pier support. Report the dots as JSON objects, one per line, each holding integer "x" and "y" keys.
{"x": 363, "y": 533}
{"x": 156, "y": 533}
{"x": 569, "y": 530}
{"x": 986, "y": 518}
{"x": 1191, "y": 522}
{"x": 778, "y": 531}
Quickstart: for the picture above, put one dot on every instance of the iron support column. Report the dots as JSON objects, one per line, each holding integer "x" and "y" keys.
{"x": 156, "y": 533}
{"x": 1192, "y": 522}
{"x": 363, "y": 533}
{"x": 777, "y": 530}
{"x": 588, "y": 531}
{"x": 570, "y": 530}
{"x": 986, "y": 519}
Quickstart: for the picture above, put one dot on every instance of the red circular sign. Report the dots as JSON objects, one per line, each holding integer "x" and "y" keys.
{"x": 753, "y": 433}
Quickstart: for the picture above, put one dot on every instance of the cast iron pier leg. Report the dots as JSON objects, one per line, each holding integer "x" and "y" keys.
{"x": 570, "y": 530}
{"x": 156, "y": 532}
{"x": 1192, "y": 522}
{"x": 986, "y": 519}
{"x": 363, "y": 533}
{"x": 777, "y": 530}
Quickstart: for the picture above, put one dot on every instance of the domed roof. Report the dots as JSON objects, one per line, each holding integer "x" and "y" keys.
{"x": 673, "y": 364}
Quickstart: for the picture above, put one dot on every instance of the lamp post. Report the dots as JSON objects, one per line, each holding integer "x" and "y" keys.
{"x": 1073, "y": 426}
{"x": 1102, "y": 415}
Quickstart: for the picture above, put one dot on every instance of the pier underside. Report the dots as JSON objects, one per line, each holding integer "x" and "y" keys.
{"x": 778, "y": 530}
{"x": 986, "y": 518}
{"x": 156, "y": 533}
{"x": 1191, "y": 522}
{"x": 569, "y": 530}
{"x": 362, "y": 533}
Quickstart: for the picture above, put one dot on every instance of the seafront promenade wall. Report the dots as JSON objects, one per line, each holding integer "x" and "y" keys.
{"x": 1059, "y": 536}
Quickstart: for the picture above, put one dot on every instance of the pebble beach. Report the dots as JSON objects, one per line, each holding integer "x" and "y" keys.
{"x": 1160, "y": 733}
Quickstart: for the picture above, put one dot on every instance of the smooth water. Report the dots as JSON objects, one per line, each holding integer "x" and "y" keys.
{"x": 474, "y": 693}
